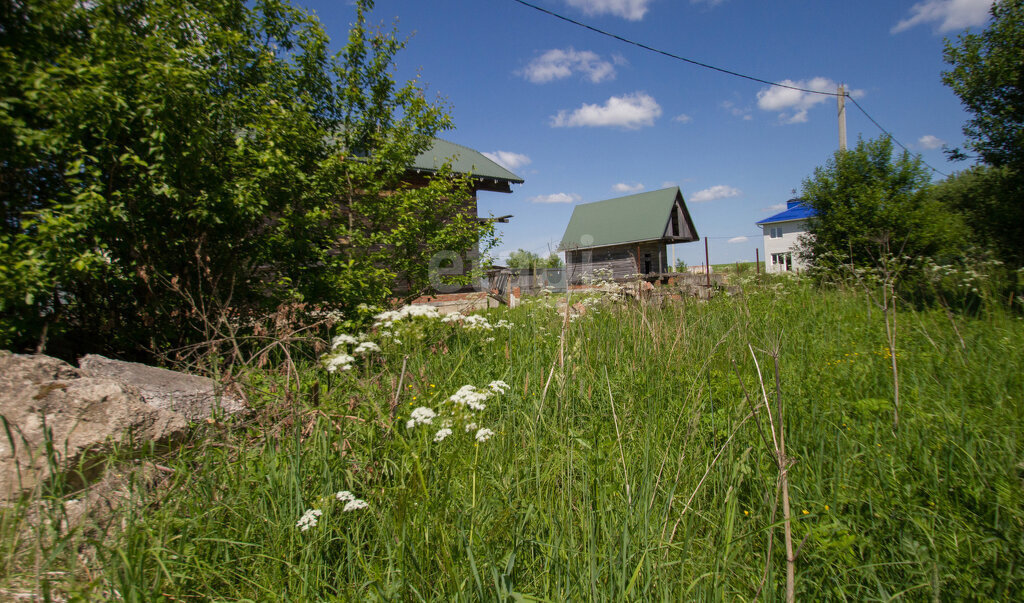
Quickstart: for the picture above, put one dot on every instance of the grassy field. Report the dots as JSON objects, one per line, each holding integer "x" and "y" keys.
{"x": 632, "y": 458}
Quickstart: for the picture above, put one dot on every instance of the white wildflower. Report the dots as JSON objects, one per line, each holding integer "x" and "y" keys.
{"x": 343, "y": 339}
{"x": 386, "y": 319}
{"x": 410, "y": 423}
{"x": 469, "y": 396}
{"x": 442, "y": 434}
{"x": 453, "y": 317}
{"x": 470, "y": 427}
{"x": 366, "y": 347}
{"x": 498, "y": 387}
{"x": 355, "y": 505}
{"x": 345, "y": 496}
{"x": 475, "y": 321}
{"x": 489, "y": 340}
{"x": 483, "y": 434}
{"x": 339, "y": 361}
{"x": 308, "y": 519}
{"x": 421, "y": 415}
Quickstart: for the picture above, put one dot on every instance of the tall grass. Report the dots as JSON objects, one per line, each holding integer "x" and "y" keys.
{"x": 639, "y": 475}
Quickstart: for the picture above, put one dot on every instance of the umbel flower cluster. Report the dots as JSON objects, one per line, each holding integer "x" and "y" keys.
{"x": 310, "y": 518}
{"x": 461, "y": 410}
{"x": 338, "y": 359}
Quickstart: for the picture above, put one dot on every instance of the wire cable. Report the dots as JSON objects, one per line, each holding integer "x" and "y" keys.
{"x": 893, "y": 138}
{"x": 725, "y": 71}
{"x": 671, "y": 55}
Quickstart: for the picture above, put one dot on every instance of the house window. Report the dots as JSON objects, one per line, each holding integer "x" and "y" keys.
{"x": 776, "y": 232}
{"x": 784, "y": 261}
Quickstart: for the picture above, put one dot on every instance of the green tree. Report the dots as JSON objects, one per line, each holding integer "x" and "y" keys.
{"x": 162, "y": 160}
{"x": 988, "y": 75}
{"x": 866, "y": 199}
{"x": 522, "y": 258}
{"x": 988, "y": 199}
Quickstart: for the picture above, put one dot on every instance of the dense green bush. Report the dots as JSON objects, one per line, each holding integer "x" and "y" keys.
{"x": 168, "y": 166}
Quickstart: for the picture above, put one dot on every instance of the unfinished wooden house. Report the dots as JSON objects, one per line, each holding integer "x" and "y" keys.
{"x": 485, "y": 174}
{"x": 626, "y": 236}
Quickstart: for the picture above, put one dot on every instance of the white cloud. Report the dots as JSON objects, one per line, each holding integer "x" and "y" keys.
{"x": 774, "y": 208}
{"x": 719, "y": 191}
{"x": 556, "y": 64}
{"x": 556, "y": 198}
{"x": 950, "y": 14}
{"x": 669, "y": 184}
{"x": 633, "y": 10}
{"x": 737, "y": 240}
{"x": 631, "y": 111}
{"x": 508, "y": 159}
{"x": 682, "y": 118}
{"x": 792, "y": 105}
{"x": 737, "y": 111}
{"x": 930, "y": 142}
{"x": 623, "y": 187}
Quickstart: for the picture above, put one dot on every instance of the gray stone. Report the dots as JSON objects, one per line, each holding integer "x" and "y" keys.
{"x": 196, "y": 398}
{"x": 87, "y": 418}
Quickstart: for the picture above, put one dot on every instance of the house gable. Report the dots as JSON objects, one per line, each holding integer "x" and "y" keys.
{"x": 485, "y": 173}
{"x": 645, "y": 217}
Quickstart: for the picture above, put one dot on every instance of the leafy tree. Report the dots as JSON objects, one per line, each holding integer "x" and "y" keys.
{"x": 988, "y": 198}
{"x": 865, "y": 200}
{"x": 162, "y": 160}
{"x": 522, "y": 258}
{"x": 988, "y": 76}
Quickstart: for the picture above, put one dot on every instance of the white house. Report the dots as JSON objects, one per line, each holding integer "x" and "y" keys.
{"x": 782, "y": 236}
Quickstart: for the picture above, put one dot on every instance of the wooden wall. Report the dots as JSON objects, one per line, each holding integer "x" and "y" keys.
{"x": 624, "y": 261}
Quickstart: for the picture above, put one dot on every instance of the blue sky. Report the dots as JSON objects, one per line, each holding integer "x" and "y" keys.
{"x": 583, "y": 117}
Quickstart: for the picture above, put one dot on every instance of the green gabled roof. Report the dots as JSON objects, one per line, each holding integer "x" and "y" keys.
{"x": 464, "y": 160}
{"x": 630, "y": 219}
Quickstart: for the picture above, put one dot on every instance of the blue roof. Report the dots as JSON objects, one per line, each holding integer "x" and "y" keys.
{"x": 796, "y": 209}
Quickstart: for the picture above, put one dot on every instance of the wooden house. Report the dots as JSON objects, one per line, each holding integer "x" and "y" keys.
{"x": 485, "y": 174}
{"x": 627, "y": 235}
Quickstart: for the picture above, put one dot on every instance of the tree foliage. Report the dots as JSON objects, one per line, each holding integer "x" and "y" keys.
{"x": 522, "y": 258}
{"x": 989, "y": 200}
{"x": 988, "y": 75}
{"x": 161, "y": 158}
{"x": 865, "y": 200}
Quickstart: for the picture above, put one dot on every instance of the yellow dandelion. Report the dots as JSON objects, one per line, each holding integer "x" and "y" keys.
{"x": 432, "y": 385}
{"x": 826, "y": 507}
{"x": 746, "y": 512}
{"x": 806, "y": 512}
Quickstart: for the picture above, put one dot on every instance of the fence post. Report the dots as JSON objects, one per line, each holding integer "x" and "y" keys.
{"x": 707, "y": 263}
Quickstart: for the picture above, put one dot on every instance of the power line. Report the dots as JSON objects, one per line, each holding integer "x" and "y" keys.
{"x": 671, "y": 55}
{"x": 893, "y": 138}
{"x": 721, "y": 70}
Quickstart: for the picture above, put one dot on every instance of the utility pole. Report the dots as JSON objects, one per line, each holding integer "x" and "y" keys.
{"x": 842, "y": 117}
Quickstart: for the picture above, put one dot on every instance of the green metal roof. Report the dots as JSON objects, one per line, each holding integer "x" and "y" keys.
{"x": 630, "y": 219}
{"x": 464, "y": 160}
